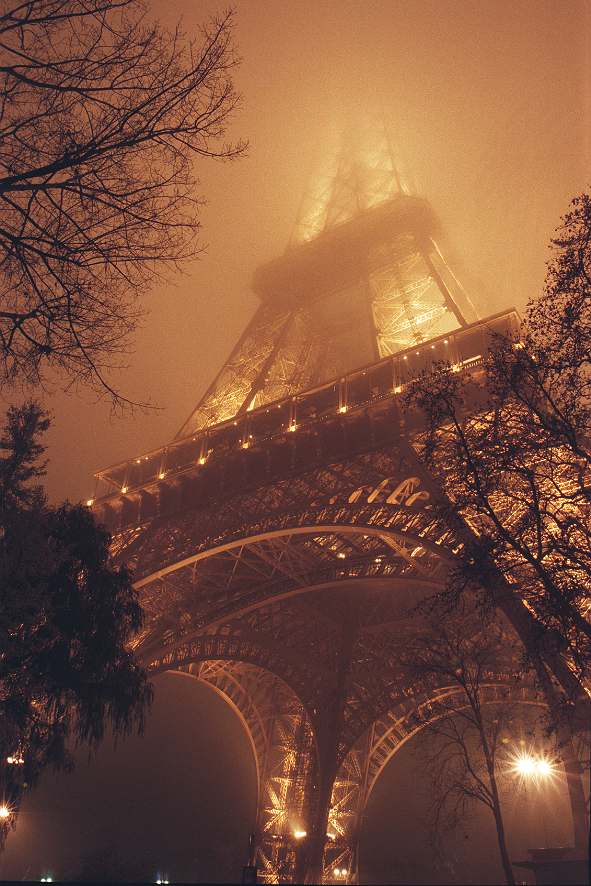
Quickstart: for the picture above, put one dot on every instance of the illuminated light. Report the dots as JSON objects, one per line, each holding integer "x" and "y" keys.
{"x": 299, "y": 835}
{"x": 344, "y": 872}
{"x": 89, "y": 502}
{"x": 124, "y": 489}
{"x": 341, "y": 555}
{"x": 534, "y": 767}
{"x": 342, "y": 409}
{"x": 4, "y": 811}
{"x": 337, "y": 872}
{"x": 161, "y": 475}
{"x": 405, "y": 357}
{"x": 331, "y": 836}
{"x": 137, "y": 461}
{"x": 445, "y": 341}
{"x": 377, "y": 560}
{"x": 525, "y": 765}
{"x": 432, "y": 347}
{"x": 10, "y": 759}
{"x": 246, "y": 444}
{"x": 398, "y": 389}
{"x": 417, "y": 353}
{"x": 202, "y": 460}
{"x": 293, "y": 427}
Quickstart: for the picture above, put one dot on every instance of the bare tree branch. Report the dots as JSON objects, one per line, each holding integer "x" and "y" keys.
{"x": 102, "y": 115}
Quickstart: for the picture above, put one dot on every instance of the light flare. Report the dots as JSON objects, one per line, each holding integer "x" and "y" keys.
{"x": 532, "y": 766}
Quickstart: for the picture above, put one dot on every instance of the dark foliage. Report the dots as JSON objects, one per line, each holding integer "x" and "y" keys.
{"x": 66, "y": 621}
{"x": 509, "y": 446}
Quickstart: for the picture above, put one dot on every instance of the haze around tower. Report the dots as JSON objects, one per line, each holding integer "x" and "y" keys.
{"x": 489, "y": 107}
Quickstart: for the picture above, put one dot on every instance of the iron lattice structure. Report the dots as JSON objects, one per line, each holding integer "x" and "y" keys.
{"x": 281, "y": 538}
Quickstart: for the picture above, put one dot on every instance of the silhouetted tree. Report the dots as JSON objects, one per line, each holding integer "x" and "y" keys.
{"x": 508, "y": 448}
{"x": 101, "y": 116}
{"x": 517, "y": 464}
{"x": 466, "y": 758}
{"x": 66, "y": 621}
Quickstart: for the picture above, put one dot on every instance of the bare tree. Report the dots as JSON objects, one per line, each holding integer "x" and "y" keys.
{"x": 465, "y": 757}
{"x": 102, "y": 113}
{"x": 508, "y": 452}
{"x": 514, "y": 440}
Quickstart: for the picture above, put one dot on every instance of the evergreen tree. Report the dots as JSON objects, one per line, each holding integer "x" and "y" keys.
{"x": 67, "y": 620}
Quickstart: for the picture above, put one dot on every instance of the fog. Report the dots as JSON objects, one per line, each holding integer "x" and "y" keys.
{"x": 488, "y": 104}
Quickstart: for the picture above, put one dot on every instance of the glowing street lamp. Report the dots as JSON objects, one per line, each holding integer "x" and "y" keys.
{"x": 525, "y": 765}
{"x": 532, "y": 767}
{"x": 4, "y": 811}
{"x": 544, "y": 769}
{"x": 537, "y": 769}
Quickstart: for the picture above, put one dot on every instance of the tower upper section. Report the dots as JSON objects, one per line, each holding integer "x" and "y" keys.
{"x": 358, "y": 175}
{"x": 360, "y": 303}
{"x": 362, "y": 279}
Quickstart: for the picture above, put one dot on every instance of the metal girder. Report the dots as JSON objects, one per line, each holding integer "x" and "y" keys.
{"x": 265, "y": 584}
{"x": 282, "y": 742}
{"x": 370, "y": 755}
{"x": 281, "y": 541}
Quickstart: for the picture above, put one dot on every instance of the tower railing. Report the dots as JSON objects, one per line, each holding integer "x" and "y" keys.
{"x": 462, "y": 349}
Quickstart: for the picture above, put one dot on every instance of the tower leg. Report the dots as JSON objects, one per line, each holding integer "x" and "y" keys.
{"x": 328, "y": 735}
{"x": 349, "y": 796}
{"x": 286, "y": 780}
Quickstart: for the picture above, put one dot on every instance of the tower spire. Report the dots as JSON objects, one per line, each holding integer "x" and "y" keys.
{"x": 360, "y": 173}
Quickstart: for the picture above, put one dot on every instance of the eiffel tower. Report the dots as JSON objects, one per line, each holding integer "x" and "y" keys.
{"x": 280, "y": 538}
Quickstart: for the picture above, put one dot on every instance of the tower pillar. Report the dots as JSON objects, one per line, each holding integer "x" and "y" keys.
{"x": 328, "y": 739}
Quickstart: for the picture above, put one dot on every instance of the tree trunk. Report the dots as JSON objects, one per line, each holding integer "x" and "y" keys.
{"x": 496, "y": 810}
{"x": 507, "y": 866}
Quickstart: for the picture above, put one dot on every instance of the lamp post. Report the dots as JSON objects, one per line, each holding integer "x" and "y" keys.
{"x": 538, "y": 769}
{"x": 561, "y": 864}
